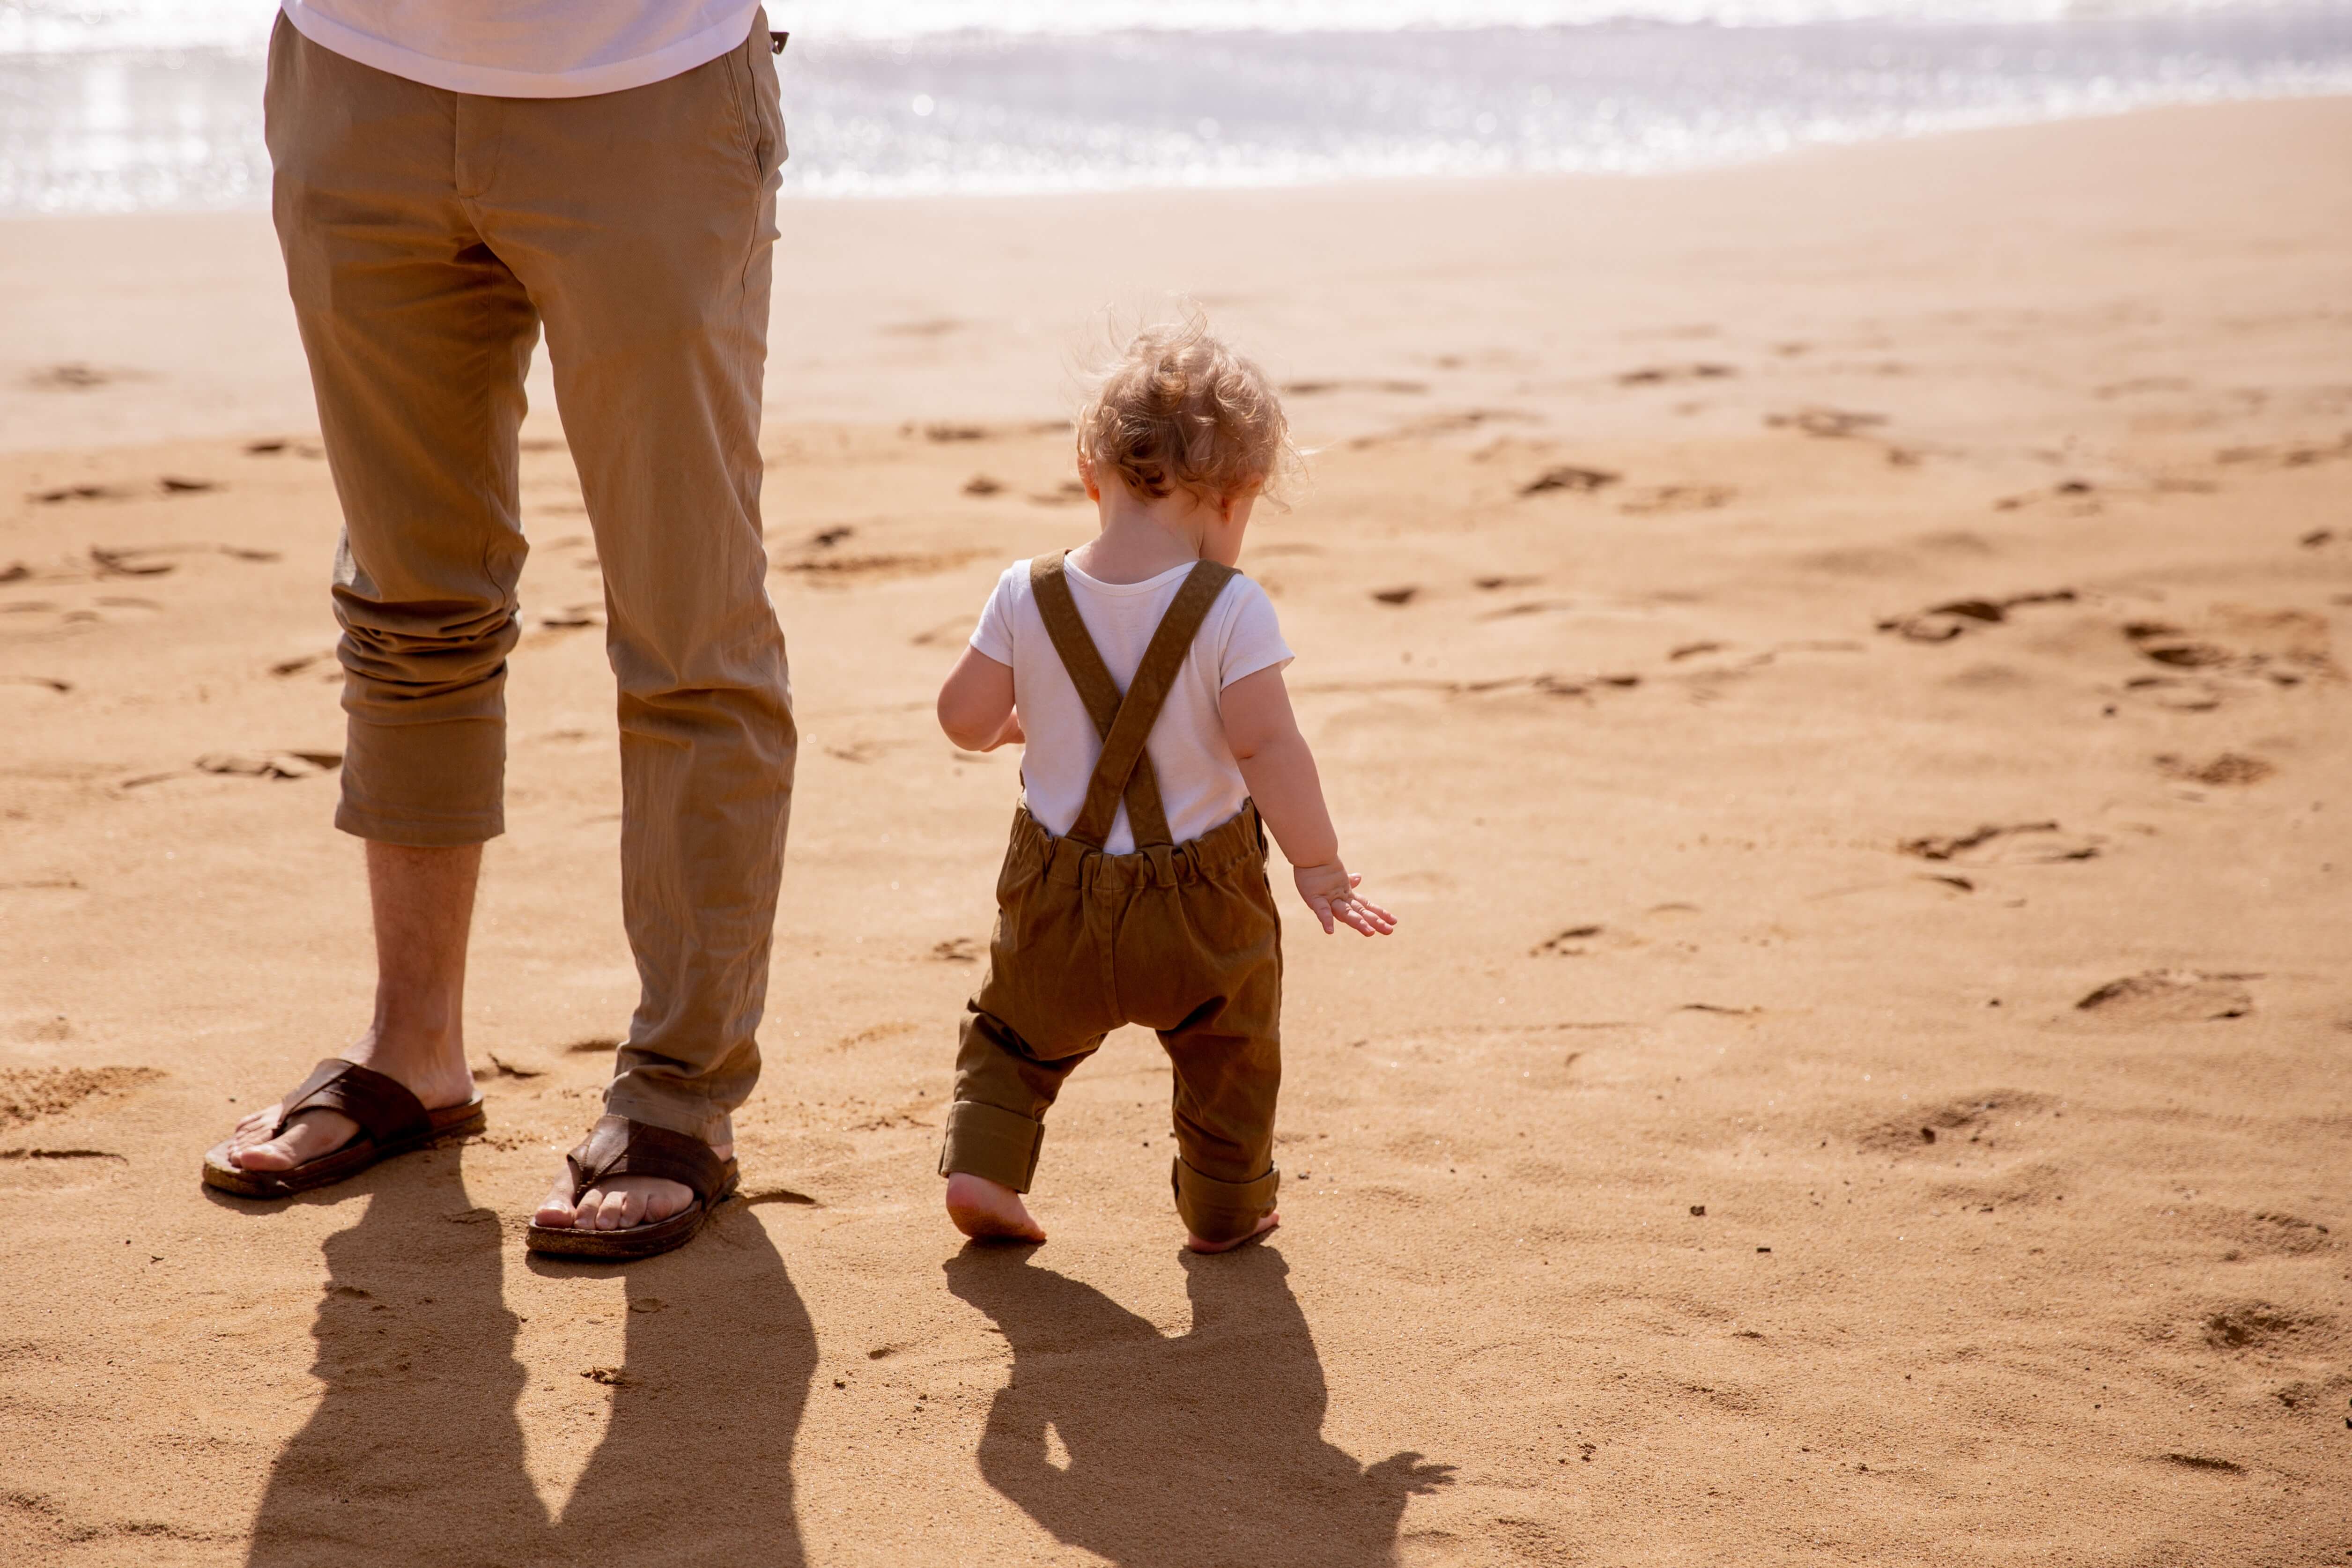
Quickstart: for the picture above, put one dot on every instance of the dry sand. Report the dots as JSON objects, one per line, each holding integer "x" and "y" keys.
{"x": 1736, "y": 874}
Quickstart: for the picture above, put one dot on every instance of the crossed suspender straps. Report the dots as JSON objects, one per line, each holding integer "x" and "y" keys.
{"x": 1124, "y": 721}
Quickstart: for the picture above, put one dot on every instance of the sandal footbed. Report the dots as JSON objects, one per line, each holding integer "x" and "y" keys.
{"x": 359, "y": 1154}
{"x": 637, "y": 1241}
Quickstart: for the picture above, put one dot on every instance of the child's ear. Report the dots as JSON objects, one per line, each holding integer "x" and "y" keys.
{"x": 1087, "y": 477}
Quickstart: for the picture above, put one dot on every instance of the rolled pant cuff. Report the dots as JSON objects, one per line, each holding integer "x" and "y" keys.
{"x": 417, "y": 833}
{"x": 428, "y": 785}
{"x": 991, "y": 1142}
{"x": 1222, "y": 1211}
{"x": 693, "y": 1118}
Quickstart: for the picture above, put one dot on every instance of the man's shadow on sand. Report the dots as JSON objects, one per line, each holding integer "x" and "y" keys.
{"x": 414, "y": 1458}
{"x": 1203, "y": 1448}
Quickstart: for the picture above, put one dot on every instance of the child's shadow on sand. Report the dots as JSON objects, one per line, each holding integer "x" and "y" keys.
{"x": 1205, "y": 1447}
{"x": 414, "y": 1457}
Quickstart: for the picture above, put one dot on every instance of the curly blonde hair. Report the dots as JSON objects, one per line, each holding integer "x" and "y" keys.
{"x": 1180, "y": 410}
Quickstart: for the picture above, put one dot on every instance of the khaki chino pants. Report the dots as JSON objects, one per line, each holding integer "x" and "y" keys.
{"x": 1183, "y": 940}
{"x": 428, "y": 236}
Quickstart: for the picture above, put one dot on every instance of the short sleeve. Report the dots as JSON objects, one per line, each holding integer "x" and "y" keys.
{"x": 1252, "y": 639}
{"x": 993, "y": 635}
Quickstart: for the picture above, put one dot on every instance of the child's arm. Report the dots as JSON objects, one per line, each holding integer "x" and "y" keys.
{"x": 1280, "y": 773}
{"x": 976, "y": 703}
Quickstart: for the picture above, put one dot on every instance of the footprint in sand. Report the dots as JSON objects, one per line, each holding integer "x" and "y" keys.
{"x": 1942, "y": 623}
{"x": 2171, "y": 996}
{"x": 1570, "y": 478}
{"x": 2295, "y": 454}
{"x": 2264, "y": 1326}
{"x": 1970, "y": 1119}
{"x": 1404, "y": 596}
{"x": 981, "y": 485}
{"x": 33, "y": 1094}
{"x": 271, "y": 764}
{"x": 1829, "y": 423}
{"x": 74, "y": 375}
{"x": 1567, "y": 943}
{"x": 252, "y": 764}
{"x": 2284, "y": 647}
{"x": 843, "y": 570}
{"x": 2016, "y": 843}
{"x": 1667, "y": 374}
{"x": 1320, "y": 388}
{"x": 1440, "y": 424}
{"x": 1676, "y": 498}
{"x": 300, "y": 662}
{"x": 2268, "y": 1234}
{"x": 46, "y": 1170}
{"x": 80, "y": 493}
{"x": 2227, "y": 769}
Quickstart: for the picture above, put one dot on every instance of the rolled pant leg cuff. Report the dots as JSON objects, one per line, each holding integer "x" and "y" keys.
{"x": 1222, "y": 1211}
{"x": 694, "y": 1118}
{"x": 991, "y": 1142}
{"x": 427, "y": 787}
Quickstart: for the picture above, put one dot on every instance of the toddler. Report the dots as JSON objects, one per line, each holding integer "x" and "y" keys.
{"x": 1142, "y": 675}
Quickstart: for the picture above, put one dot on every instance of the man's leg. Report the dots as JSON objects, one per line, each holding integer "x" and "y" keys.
{"x": 424, "y": 904}
{"x": 417, "y": 339}
{"x": 642, "y": 223}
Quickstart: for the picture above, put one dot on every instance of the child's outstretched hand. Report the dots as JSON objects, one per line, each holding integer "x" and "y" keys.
{"x": 1330, "y": 892}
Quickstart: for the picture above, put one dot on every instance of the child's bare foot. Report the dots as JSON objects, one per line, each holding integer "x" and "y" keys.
{"x": 989, "y": 1211}
{"x": 1269, "y": 1223}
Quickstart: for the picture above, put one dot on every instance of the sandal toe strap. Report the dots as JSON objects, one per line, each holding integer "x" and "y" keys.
{"x": 617, "y": 1146}
{"x": 384, "y": 1109}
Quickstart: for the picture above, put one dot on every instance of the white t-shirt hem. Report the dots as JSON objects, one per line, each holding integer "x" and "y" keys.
{"x": 487, "y": 81}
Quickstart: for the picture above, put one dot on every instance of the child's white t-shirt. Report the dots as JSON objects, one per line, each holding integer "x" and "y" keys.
{"x": 1200, "y": 784}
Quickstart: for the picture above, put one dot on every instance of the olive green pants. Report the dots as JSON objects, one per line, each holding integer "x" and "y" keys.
{"x": 1183, "y": 940}
{"x": 428, "y": 236}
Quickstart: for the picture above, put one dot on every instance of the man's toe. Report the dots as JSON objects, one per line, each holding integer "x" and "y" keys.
{"x": 271, "y": 1156}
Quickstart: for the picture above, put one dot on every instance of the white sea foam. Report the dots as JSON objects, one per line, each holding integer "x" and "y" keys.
{"x": 80, "y": 26}
{"x": 150, "y": 120}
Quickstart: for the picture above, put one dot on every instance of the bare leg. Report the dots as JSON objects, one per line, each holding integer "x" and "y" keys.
{"x": 424, "y": 906}
{"x": 989, "y": 1211}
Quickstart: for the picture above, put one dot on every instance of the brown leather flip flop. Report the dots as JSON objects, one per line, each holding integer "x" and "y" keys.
{"x": 617, "y": 1146}
{"x": 392, "y": 1122}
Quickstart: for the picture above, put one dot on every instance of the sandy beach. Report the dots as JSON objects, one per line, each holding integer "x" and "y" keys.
{"x": 1831, "y": 661}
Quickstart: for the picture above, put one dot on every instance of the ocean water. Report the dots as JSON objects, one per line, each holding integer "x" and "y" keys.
{"x": 127, "y": 105}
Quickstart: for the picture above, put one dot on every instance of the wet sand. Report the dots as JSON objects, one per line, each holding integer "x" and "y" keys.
{"x": 1832, "y": 661}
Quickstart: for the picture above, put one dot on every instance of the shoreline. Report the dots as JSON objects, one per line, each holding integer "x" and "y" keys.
{"x": 1033, "y": 113}
{"x": 866, "y": 329}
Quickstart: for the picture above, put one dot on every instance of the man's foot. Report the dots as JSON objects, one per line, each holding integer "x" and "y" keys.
{"x": 990, "y": 1211}
{"x": 1197, "y": 1244}
{"x": 618, "y": 1202}
{"x": 438, "y": 1080}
